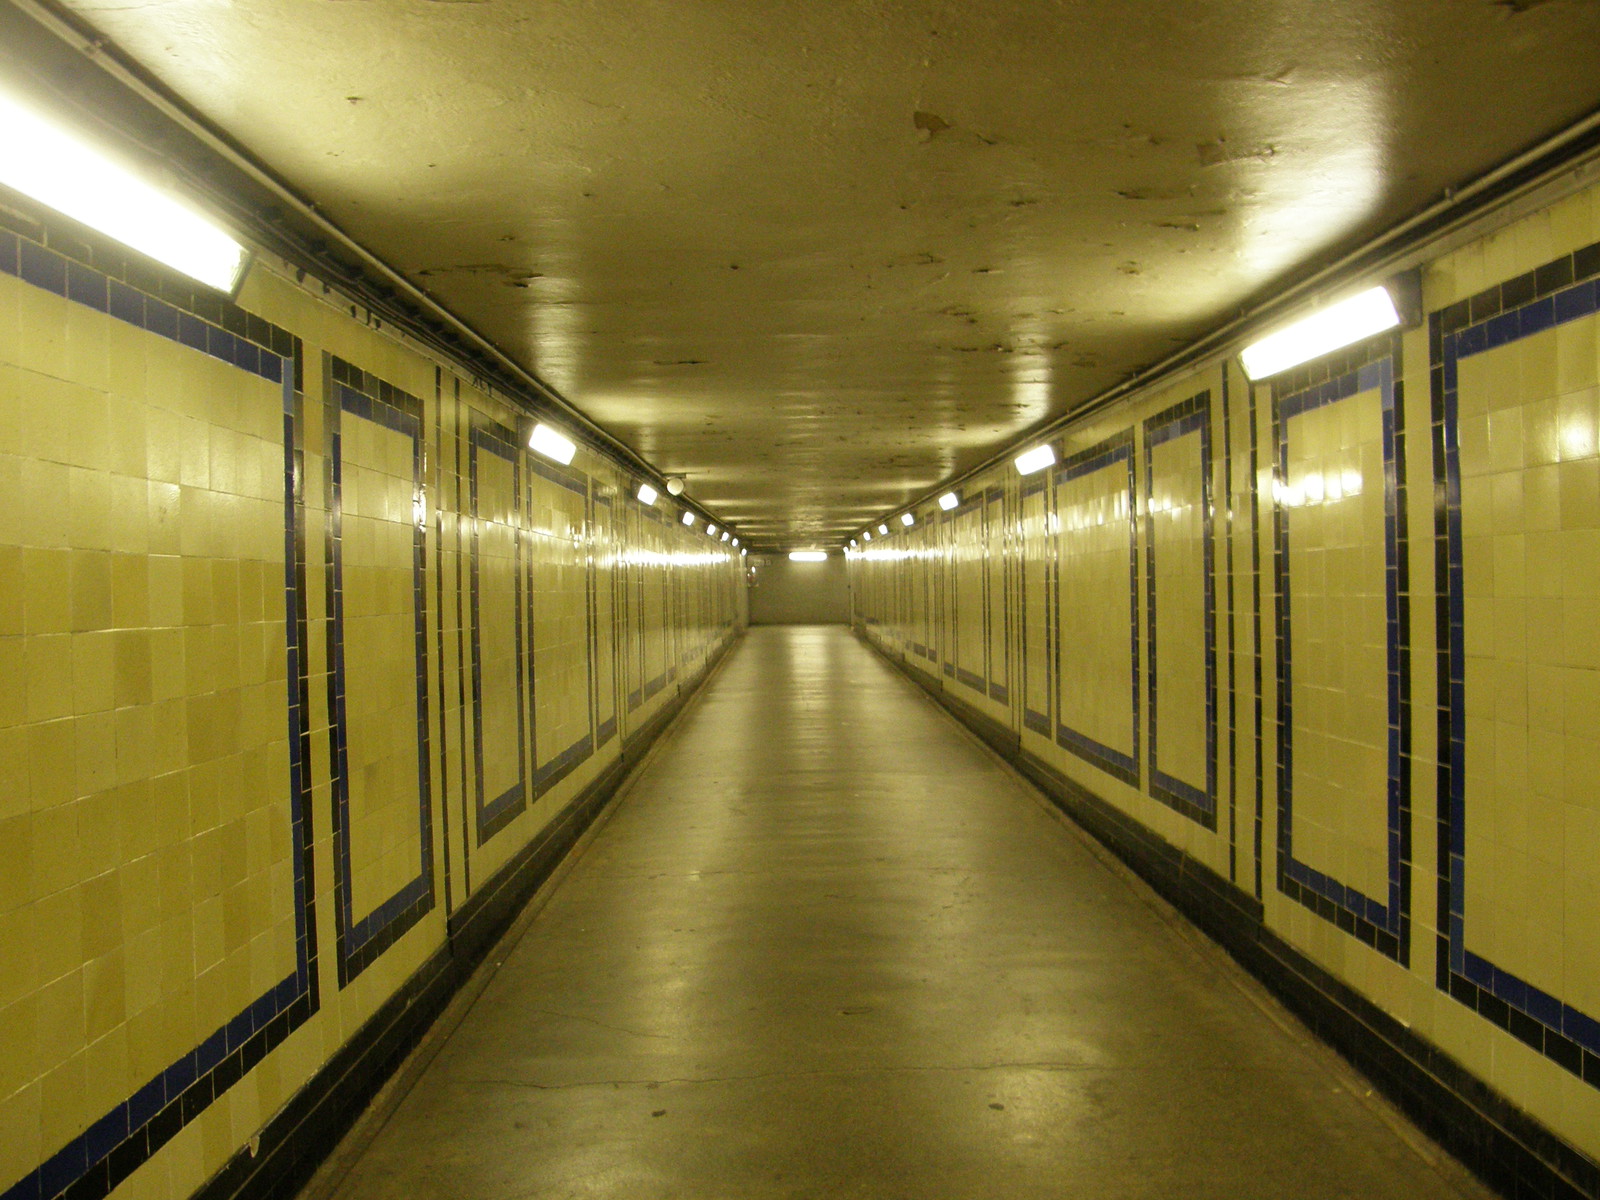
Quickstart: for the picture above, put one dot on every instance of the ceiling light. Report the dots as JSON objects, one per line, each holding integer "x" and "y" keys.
{"x": 808, "y": 556}
{"x": 711, "y": 531}
{"x": 907, "y": 519}
{"x": 674, "y": 485}
{"x": 1323, "y": 332}
{"x": 56, "y": 167}
{"x": 883, "y": 530}
{"x": 866, "y": 535}
{"x": 735, "y": 541}
{"x": 688, "y": 518}
{"x": 548, "y": 442}
{"x": 647, "y": 494}
{"x": 742, "y": 553}
{"x": 724, "y": 535}
{"x": 852, "y": 541}
{"x": 1036, "y": 459}
{"x": 948, "y": 501}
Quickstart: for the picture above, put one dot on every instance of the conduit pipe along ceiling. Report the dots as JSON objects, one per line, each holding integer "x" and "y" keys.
{"x": 993, "y": 247}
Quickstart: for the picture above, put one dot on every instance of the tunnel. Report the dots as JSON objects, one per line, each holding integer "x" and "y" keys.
{"x": 892, "y": 600}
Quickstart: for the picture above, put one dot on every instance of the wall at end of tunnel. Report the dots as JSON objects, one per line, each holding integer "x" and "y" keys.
{"x": 799, "y": 593}
{"x": 1320, "y": 654}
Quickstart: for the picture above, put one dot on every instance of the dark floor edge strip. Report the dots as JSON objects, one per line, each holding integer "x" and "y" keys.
{"x": 1503, "y": 1145}
{"x": 296, "y": 1140}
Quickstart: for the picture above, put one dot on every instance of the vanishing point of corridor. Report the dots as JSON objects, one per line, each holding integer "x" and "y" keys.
{"x": 826, "y": 946}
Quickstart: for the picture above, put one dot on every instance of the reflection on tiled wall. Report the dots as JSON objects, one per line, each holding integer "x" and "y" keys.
{"x": 1258, "y": 551}
{"x": 270, "y": 571}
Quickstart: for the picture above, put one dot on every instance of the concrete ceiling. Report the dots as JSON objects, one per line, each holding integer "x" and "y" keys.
{"x": 819, "y": 256}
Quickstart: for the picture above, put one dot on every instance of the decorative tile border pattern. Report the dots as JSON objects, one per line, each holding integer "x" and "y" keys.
{"x": 118, "y": 1143}
{"x": 1106, "y": 455}
{"x": 354, "y": 393}
{"x": 493, "y": 815}
{"x": 1036, "y": 722}
{"x": 1565, "y": 289}
{"x": 1192, "y": 416}
{"x": 994, "y": 518}
{"x": 1383, "y": 924}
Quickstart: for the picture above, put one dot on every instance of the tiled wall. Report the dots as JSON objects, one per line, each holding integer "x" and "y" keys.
{"x": 301, "y": 646}
{"x": 1334, "y": 637}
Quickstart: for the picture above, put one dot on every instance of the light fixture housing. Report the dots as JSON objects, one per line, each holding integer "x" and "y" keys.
{"x": 808, "y": 556}
{"x": 907, "y": 519}
{"x": 647, "y": 494}
{"x": 1035, "y": 459}
{"x": 688, "y": 518}
{"x": 552, "y": 445}
{"x": 69, "y": 173}
{"x": 949, "y": 500}
{"x": 674, "y": 485}
{"x": 1351, "y": 320}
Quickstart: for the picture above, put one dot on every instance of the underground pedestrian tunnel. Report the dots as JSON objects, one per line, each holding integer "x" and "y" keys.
{"x": 881, "y": 600}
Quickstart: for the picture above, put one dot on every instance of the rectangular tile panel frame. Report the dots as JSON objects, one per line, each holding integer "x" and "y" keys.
{"x": 360, "y": 942}
{"x": 1383, "y": 925}
{"x": 1191, "y": 416}
{"x": 113, "y": 1146}
{"x": 1562, "y": 290}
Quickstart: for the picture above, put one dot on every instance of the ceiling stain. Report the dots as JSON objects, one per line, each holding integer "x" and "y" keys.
{"x": 679, "y": 215}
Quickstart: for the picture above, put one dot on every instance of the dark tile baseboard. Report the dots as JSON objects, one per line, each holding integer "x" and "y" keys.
{"x": 296, "y": 1140}
{"x": 1508, "y": 1149}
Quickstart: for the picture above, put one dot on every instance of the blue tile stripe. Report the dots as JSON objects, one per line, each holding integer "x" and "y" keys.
{"x": 996, "y": 665}
{"x": 1191, "y": 417}
{"x": 968, "y": 510}
{"x": 361, "y": 940}
{"x": 1559, "y": 292}
{"x": 112, "y": 1147}
{"x": 1382, "y": 923}
{"x": 1105, "y": 455}
{"x": 494, "y": 814}
{"x": 1032, "y": 720}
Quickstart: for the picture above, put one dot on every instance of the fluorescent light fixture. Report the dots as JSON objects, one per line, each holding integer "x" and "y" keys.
{"x": 808, "y": 556}
{"x": 883, "y": 530}
{"x": 58, "y": 168}
{"x": 866, "y": 535}
{"x": 948, "y": 501}
{"x": 688, "y": 518}
{"x": 742, "y": 553}
{"x": 711, "y": 530}
{"x": 647, "y": 494}
{"x": 548, "y": 442}
{"x": 735, "y": 541}
{"x": 724, "y": 535}
{"x": 907, "y": 519}
{"x": 1036, "y": 459}
{"x": 1338, "y": 325}
{"x": 852, "y": 541}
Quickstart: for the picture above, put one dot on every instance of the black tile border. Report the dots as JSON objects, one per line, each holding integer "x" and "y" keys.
{"x": 116, "y": 284}
{"x": 1191, "y": 416}
{"x": 1508, "y": 1149}
{"x": 348, "y": 390}
{"x": 294, "y": 1142}
{"x": 1104, "y": 455}
{"x": 1562, "y": 290}
{"x": 1373, "y": 365}
{"x": 495, "y": 813}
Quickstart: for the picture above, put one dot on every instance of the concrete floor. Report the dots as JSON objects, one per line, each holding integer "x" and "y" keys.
{"x": 827, "y": 946}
